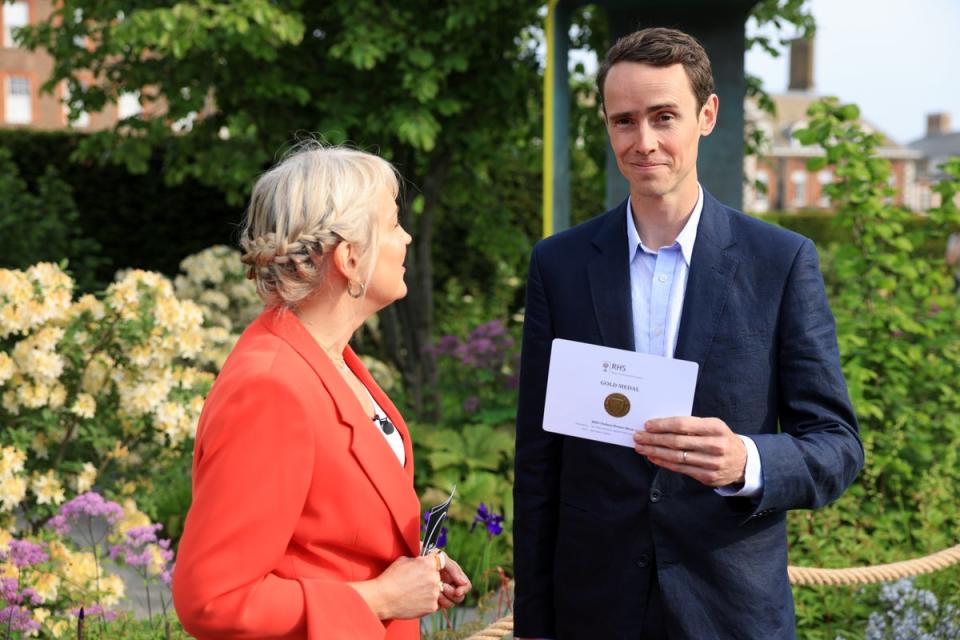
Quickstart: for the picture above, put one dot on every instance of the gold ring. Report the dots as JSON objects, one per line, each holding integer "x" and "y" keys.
{"x": 441, "y": 586}
{"x": 436, "y": 557}
{"x": 684, "y": 460}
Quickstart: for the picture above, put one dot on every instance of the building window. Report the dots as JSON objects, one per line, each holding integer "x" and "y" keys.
{"x": 762, "y": 197}
{"x": 19, "y": 107}
{"x": 129, "y": 105}
{"x": 825, "y": 178}
{"x": 799, "y": 180}
{"x": 80, "y": 121}
{"x": 15, "y": 15}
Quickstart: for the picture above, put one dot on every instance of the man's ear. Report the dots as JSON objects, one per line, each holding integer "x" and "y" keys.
{"x": 708, "y": 114}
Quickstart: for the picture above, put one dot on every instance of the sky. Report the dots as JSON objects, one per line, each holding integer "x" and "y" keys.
{"x": 897, "y": 60}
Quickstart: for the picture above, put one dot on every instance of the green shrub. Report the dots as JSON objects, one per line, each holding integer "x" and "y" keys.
{"x": 897, "y": 322}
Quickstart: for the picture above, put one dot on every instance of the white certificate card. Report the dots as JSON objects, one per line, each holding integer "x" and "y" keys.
{"x": 607, "y": 394}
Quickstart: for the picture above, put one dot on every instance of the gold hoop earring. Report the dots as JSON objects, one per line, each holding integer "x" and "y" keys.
{"x": 356, "y": 293}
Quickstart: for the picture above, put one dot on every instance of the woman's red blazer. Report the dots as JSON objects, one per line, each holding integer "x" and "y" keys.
{"x": 295, "y": 493}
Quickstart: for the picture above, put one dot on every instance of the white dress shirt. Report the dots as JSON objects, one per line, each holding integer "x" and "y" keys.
{"x": 658, "y": 283}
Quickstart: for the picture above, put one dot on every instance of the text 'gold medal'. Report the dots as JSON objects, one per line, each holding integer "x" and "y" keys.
{"x": 617, "y": 405}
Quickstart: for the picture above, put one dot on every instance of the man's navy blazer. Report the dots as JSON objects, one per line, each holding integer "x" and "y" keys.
{"x": 592, "y": 519}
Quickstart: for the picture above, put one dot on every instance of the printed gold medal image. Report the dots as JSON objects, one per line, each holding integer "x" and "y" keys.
{"x": 617, "y": 405}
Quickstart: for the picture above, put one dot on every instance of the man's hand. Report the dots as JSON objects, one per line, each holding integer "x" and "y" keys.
{"x": 703, "y": 448}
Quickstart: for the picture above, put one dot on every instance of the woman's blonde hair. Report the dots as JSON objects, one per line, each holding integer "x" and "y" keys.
{"x": 302, "y": 208}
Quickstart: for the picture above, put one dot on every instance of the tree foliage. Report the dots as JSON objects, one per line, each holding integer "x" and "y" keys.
{"x": 434, "y": 87}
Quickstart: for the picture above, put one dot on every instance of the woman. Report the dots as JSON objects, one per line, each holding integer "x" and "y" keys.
{"x": 304, "y": 522}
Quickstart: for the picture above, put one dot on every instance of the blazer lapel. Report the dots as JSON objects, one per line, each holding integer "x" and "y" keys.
{"x": 609, "y": 276}
{"x": 712, "y": 267}
{"x": 393, "y": 482}
{"x": 356, "y": 365}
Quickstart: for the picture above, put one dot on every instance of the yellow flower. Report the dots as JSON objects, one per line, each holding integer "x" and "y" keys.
{"x": 7, "y": 368}
{"x": 10, "y": 404}
{"x": 32, "y": 396}
{"x": 84, "y": 406}
{"x": 191, "y": 342}
{"x": 39, "y": 446}
{"x": 88, "y": 303}
{"x": 132, "y": 517}
{"x": 5, "y": 538}
{"x": 97, "y": 373}
{"x": 128, "y": 488}
{"x": 46, "y": 585}
{"x": 58, "y": 395}
{"x": 58, "y": 551}
{"x": 47, "y": 338}
{"x": 86, "y": 478}
{"x": 47, "y": 488}
{"x": 79, "y": 569}
{"x": 40, "y": 614}
{"x": 59, "y": 628}
{"x": 12, "y": 492}
{"x": 112, "y": 589}
{"x": 120, "y": 451}
{"x": 11, "y": 461}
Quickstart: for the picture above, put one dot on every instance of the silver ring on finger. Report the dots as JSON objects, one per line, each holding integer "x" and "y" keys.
{"x": 684, "y": 457}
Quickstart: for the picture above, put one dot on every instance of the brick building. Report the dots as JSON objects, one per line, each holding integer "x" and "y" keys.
{"x": 23, "y": 73}
{"x": 782, "y": 167}
{"x": 940, "y": 143}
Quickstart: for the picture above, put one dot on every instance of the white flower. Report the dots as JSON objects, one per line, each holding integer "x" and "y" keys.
{"x": 86, "y": 478}
{"x": 11, "y": 461}
{"x": 84, "y": 406}
{"x": 12, "y": 492}
{"x": 58, "y": 395}
{"x": 47, "y": 488}
{"x": 7, "y": 368}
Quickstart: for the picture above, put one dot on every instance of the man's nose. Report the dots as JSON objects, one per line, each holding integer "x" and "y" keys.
{"x": 644, "y": 139}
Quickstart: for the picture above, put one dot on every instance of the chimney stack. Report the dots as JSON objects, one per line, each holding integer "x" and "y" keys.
{"x": 938, "y": 124}
{"x": 801, "y": 65}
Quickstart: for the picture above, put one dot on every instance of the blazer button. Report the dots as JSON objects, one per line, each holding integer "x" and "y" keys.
{"x": 655, "y": 495}
{"x": 643, "y": 561}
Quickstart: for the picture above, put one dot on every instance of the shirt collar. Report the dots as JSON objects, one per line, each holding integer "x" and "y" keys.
{"x": 685, "y": 238}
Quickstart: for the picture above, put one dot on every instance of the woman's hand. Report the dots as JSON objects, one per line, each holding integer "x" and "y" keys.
{"x": 409, "y": 588}
{"x": 456, "y": 584}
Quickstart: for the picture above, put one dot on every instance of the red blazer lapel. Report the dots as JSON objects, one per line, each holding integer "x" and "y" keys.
{"x": 393, "y": 482}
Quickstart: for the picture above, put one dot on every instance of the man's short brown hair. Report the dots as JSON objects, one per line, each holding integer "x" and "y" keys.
{"x": 662, "y": 47}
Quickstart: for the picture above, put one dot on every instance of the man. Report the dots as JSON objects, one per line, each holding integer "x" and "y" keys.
{"x": 684, "y": 536}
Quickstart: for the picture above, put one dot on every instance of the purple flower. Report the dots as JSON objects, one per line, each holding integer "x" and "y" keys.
{"x": 446, "y": 345}
{"x": 18, "y": 619}
{"x": 442, "y": 538}
{"x": 490, "y": 520}
{"x": 140, "y": 547}
{"x": 93, "y": 611}
{"x": 87, "y": 505}
{"x": 492, "y": 329}
{"x": 9, "y": 590}
{"x": 23, "y": 553}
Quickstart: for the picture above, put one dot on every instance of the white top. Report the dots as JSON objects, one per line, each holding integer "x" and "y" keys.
{"x": 393, "y": 439}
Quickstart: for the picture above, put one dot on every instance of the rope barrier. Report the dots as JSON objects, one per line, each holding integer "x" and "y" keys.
{"x": 807, "y": 576}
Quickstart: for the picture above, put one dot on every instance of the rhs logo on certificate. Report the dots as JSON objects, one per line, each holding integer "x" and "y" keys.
{"x": 607, "y": 394}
